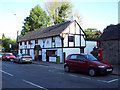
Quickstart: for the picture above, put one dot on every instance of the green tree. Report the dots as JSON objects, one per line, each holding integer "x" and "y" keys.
{"x": 92, "y": 34}
{"x": 3, "y": 36}
{"x": 5, "y": 43}
{"x": 37, "y": 19}
{"x": 59, "y": 11}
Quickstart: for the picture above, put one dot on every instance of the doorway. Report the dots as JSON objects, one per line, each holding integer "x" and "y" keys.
{"x": 36, "y": 53}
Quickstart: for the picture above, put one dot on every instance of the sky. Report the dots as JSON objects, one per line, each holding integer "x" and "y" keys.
{"x": 95, "y": 14}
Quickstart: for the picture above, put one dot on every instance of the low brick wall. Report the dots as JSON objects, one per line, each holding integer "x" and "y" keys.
{"x": 110, "y": 51}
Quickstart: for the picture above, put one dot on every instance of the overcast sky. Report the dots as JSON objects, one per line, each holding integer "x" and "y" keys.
{"x": 95, "y": 14}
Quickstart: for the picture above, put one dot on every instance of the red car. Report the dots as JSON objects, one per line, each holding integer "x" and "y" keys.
{"x": 8, "y": 56}
{"x": 87, "y": 63}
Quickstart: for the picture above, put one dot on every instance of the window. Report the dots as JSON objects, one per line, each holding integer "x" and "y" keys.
{"x": 36, "y": 41}
{"x": 81, "y": 58}
{"x": 73, "y": 57}
{"x": 20, "y": 43}
{"x": 25, "y": 43}
{"x": 28, "y": 52}
{"x": 53, "y": 39}
{"x": 21, "y": 51}
{"x": 71, "y": 38}
{"x": 81, "y": 50}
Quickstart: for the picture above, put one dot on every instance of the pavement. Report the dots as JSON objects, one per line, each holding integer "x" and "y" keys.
{"x": 60, "y": 66}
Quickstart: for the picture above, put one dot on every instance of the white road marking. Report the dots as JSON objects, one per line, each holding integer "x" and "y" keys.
{"x": 6, "y": 73}
{"x": 102, "y": 81}
{"x": 42, "y": 65}
{"x": 35, "y": 85}
{"x": 60, "y": 73}
{"x": 86, "y": 78}
{"x": 73, "y": 75}
{"x": 50, "y": 70}
{"x": 113, "y": 80}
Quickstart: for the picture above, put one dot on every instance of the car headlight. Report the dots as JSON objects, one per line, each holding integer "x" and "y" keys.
{"x": 101, "y": 66}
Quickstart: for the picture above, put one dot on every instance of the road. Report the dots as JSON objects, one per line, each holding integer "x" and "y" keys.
{"x": 40, "y": 76}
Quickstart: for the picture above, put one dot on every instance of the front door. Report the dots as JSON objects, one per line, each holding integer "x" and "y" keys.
{"x": 47, "y": 56}
{"x": 36, "y": 53}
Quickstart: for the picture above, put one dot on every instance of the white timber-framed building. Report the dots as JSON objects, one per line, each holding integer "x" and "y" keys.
{"x": 57, "y": 40}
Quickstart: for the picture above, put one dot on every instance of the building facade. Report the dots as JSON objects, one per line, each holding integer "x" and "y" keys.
{"x": 58, "y": 40}
{"x": 110, "y": 43}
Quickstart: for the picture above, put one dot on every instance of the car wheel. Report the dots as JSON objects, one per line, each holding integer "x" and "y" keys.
{"x": 19, "y": 61}
{"x": 66, "y": 69}
{"x": 30, "y": 62}
{"x": 91, "y": 72}
{"x": 14, "y": 61}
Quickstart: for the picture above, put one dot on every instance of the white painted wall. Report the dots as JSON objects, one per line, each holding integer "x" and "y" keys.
{"x": 77, "y": 40}
{"x": 32, "y": 53}
{"x": 40, "y": 42}
{"x": 48, "y": 45}
{"x": 82, "y": 41}
{"x": 71, "y": 51}
{"x": 60, "y": 53}
{"x": 89, "y": 46}
{"x": 43, "y": 54}
{"x": 77, "y": 29}
{"x": 52, "y": 59}
{"x": 72, "y": 28}
{"x": 58, "y": 42}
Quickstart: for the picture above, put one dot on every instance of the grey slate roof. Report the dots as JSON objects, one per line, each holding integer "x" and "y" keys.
{"x": 111, "y": 32}
{"x": 45, "y": 32}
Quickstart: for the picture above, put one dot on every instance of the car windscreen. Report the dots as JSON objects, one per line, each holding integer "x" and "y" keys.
{"x": 91, "y": 57}
{"x": 9, "y": 55}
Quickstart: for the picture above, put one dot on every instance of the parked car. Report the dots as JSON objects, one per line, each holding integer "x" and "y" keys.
{"x": 87, "y": 63}
{"x": 8, "y": 56}
{"x": 21, "y": 58}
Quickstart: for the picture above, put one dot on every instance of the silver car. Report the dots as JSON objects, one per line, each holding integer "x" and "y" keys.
{"x": 23, "y": 58}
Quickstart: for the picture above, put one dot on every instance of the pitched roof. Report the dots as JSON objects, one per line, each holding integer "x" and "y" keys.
{"x": 111, "y": 32}
{"x": 45, "y": 32}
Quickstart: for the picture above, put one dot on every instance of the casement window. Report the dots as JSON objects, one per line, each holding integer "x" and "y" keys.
{"x": 29, "y": 42}
{"x": 25, "y": 43}
{"x": 71, "y": 38}
{"x": 36, "y": 41}
{"x": 53, "y": 39}
{"x": 21, "y": 51}
{"x": 81, "y": 50}
{"x": 28, "y": 51}
{"x": 20, "y": 43}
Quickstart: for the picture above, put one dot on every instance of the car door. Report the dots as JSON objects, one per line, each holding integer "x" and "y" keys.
{"x": 82, "y": 64}
{"x": 73, "y": 62}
